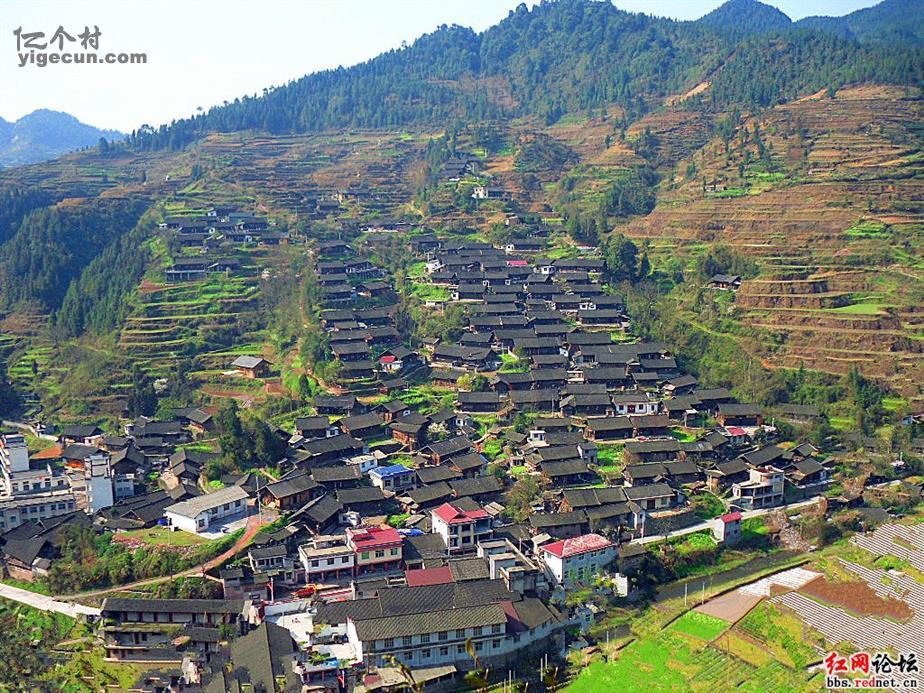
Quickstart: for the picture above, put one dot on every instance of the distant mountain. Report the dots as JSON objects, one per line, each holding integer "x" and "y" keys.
{"x": 889, "y": 21}
{"x": 745, "y": 17}
{"x": 44, "y": 135}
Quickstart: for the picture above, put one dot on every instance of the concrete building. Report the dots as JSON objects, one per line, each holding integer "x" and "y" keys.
{"x": 763, "y": 489}
{"x": 197, "y": 514}
{"x": 461, "y": 527}
{"x": 577, "y": 560}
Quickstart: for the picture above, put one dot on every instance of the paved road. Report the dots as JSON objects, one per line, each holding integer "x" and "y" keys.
{"x": 701, "y": 526}
{"x": 45, "y": 603}
{"x": 254, "y": 523}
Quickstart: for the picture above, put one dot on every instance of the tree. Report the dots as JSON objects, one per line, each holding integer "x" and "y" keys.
{"x": 621, "y": 258}
{"x": 303, "y": 388}
{"x": 521, "y": 496}
{"x": 142, "y": 400}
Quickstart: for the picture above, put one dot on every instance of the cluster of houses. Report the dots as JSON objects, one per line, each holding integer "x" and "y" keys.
{"x": 206, "y": 234}
{"x": 396, "y": 544}
{"x": 86, "y": 473}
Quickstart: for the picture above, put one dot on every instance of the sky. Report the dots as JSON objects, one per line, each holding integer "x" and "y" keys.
{"x": 203, "y": 52}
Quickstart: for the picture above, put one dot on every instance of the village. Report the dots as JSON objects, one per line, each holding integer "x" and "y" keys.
{"x": 461, "y": 504}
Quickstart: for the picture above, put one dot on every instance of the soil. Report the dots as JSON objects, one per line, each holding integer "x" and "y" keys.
{"x": 858, "y": 598}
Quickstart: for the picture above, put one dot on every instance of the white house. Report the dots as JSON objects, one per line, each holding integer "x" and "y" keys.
{"x": 578, "y": 559}
{"x": 196, "y": 514}
{"x": 461, "y": 529}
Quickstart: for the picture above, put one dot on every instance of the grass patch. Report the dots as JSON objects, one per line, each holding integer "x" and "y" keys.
{"x": 702, "y": 626}
{"x": 161, "y": 536}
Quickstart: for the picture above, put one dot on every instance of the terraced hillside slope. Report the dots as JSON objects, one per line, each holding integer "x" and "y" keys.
{"x": 826, "y": 194}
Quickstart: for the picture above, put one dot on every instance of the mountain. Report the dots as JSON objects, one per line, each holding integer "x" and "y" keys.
{"x": 744, "y": 17}
{"x": 45, "y": 134}
{"x": 565, "y": 56}
{"x": 891, "y": 20}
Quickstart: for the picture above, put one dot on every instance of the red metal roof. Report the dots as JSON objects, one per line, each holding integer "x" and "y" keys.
{"x": 429, "y": 576}
{"x": 374, "y": 538}
{"x": 731, "y": 517}
{"x": 577, "y": 545}
{"x": 452, "y": 515}
{"x": 736, "y": 431}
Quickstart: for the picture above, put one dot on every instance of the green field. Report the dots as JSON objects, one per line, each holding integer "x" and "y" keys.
{"x": 702, "y": 626}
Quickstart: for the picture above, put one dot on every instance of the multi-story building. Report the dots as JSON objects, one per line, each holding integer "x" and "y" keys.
{"x": 28, "y": 493}
{"x": 327, "y": 559}
{"x": 461, "y": 527}
{"x": 763, "y": 489}
{"x": 375, "y": 549}
{"x": 434, "y": 625}
{"x": 577, "y": 560}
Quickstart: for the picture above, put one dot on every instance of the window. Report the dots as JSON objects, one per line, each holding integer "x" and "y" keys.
{"x": 460, "y": 649}
{"x": 460, "y": 633}
{"x": 379, "y": 554}
{"x": 315, "y": 563}
{"x": 496, "y": 628}
{"x": 364, "y": 555}
{"x": 444, "y": 635}
{"x": 425, "y": 653}
{"x": 444, "y": 652}
{"x": 330, "y": 561}
{"x": 407, "y": 640}
{"x": 394, "y": 552}
{"x": 495, "y": 643}
{"x": 479, "y": 646}
{"x": 478, "y": 630}
{"x": 389, "y": 642}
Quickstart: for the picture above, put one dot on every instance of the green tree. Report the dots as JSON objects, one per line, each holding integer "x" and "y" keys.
{"x": 142, "y": 400}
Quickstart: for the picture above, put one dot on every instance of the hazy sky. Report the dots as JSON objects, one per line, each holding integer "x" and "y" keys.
{"x": 201, "y": 52}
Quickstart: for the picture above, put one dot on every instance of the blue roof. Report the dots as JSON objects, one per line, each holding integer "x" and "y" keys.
{"x": 392, "y": 470}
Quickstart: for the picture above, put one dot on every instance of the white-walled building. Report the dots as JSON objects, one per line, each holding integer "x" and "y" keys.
{"x": 578, "y": 559}
{"x": 98, "y": 478}
{"x": 196, "y": 514}
{"x": 460, "y": 528}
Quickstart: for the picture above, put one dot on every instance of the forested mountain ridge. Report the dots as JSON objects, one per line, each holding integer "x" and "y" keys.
{"x": 560, "y": 57}
{"x": 899, "y": 21}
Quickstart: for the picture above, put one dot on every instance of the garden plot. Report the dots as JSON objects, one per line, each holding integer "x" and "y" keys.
{"x": 847, "y": 616}
{"x": 901, "y": 541}
{"x": 791, "y": 579}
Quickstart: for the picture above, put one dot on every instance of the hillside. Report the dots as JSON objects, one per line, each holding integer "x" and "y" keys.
{"x": 702, "y": 139}
{"x": 45, "y": 134}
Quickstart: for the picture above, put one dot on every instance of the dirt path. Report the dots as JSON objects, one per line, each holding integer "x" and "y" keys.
{"x": 254, "y": 523}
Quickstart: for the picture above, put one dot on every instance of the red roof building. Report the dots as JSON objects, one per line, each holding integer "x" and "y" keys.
{"x": 462, "y": 528}
{"x": 452, "y": 515}
{"x": 566, "y": 548}
{"x": 578, "y": 560}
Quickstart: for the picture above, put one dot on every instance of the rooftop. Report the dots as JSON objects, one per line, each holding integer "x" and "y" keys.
{"x": 577, "y": 545}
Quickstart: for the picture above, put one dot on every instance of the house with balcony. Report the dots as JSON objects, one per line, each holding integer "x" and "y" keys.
{"x": 763, "y": 489}
{"x": 577, "y": 560}
{"x": 375, "y": 549}
{"x": 327, "y": 559}
{"x": 461, "y": 524}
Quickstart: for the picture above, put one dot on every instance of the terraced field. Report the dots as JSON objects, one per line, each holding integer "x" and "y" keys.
{"x": 837, "y": 229}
